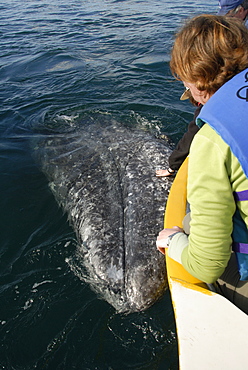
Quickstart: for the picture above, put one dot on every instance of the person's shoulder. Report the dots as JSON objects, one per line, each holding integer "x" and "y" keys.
{"x": 208, "y": 132}
{"x": 209, "y": 139}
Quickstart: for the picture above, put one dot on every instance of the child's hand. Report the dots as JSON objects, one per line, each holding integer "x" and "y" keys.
{"x": 162, "y": 239}
{"x": 164, "y": 173}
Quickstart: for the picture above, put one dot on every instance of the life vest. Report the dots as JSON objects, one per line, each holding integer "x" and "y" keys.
{"x": 227, "y": 113}
{"x": 240, "y": 243}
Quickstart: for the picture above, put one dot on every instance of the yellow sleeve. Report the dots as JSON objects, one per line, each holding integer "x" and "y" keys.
{"x": 212, "y": 207}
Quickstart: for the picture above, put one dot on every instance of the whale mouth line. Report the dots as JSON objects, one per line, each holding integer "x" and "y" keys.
{"x": 123, "y": 238}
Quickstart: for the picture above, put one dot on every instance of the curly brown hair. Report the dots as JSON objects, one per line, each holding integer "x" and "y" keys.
{"x": 209, "y": 50}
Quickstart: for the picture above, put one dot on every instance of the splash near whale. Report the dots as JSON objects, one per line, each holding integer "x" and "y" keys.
{"x": 103, "y": 175}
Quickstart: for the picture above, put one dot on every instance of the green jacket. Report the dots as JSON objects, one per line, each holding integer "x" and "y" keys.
{"x": 214, "y": 174}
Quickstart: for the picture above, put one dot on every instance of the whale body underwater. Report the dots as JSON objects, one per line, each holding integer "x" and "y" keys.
{"x": 103, "y": 176}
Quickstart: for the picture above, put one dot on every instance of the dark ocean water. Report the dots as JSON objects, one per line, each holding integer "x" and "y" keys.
{"x": 60, "y": 59}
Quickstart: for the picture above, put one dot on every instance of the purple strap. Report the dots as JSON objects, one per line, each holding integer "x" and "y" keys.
{"x": 240, "y": 247}
{"x": 241, "y": 195}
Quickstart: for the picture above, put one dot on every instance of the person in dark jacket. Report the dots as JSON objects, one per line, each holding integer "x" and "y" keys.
{"x": 181, "y": 150}
{"x": 234, "y": 8}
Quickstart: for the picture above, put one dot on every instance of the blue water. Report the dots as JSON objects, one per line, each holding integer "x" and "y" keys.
{"x": 59, "y": 59}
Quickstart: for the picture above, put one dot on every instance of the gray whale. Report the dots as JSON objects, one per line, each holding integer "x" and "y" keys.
{"x": 103, "y": 175}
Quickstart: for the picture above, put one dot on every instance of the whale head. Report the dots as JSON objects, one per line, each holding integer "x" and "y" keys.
{"x": 103, "y": 176}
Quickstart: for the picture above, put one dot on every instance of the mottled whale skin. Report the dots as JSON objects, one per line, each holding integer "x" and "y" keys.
{"x": 103, "y": 176}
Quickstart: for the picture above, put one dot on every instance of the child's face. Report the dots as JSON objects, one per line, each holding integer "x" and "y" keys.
{"x": 200, "y": 96}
